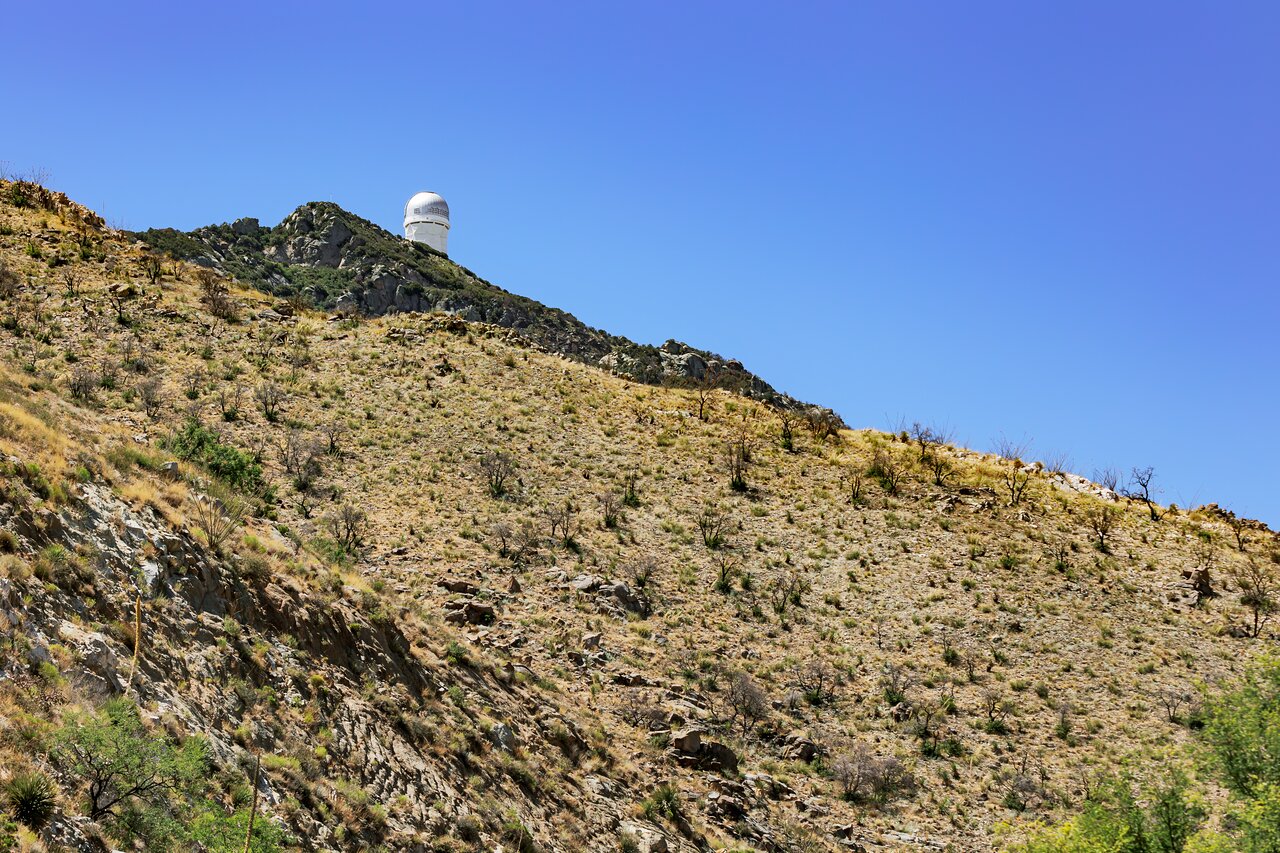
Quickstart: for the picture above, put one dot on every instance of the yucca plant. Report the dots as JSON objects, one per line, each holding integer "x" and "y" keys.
{"x": 31, "y": 798}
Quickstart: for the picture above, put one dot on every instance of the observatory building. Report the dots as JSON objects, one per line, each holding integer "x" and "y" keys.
{"x": 426, "y": 220}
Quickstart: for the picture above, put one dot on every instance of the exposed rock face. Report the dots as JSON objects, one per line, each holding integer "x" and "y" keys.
{"x": 342, "y": 261}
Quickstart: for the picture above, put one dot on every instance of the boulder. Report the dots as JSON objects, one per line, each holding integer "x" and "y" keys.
{"x": 633, "y": 601}
{"x": 587, "y": 583}
{"x": 797, "y": 747}
{"x": 459, "y": 586}
{"x": 718, "y": 757}
{"x": 647, "y": 838}
{"x": 470, "y": 612}
{"x": 688, "y": 741}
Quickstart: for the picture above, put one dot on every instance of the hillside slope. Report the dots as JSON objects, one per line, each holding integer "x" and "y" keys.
{"x": 336, "y": 260}
{"x": 459, "y": 592}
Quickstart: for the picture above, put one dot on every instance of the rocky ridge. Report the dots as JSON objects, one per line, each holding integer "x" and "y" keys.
{"x": 338, "y": 260}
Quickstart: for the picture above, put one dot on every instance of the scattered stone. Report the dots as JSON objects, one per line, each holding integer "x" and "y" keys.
{"x": 469, "y": 611}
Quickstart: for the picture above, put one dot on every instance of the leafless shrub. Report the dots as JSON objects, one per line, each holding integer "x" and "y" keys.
{"x": 788, "y": 420}
{"x": 817, "y": 681}
{"x": 713, "y": 523}
{"x": 1173, "y": 700}
{"x": 640, "y": 711}
{"x": 1108, "y": 478}
{"x": 152, "y": 267}
{"x": 642, "y": 570}
{"x": 562, "y": 521}
{"x": 215, "y": 295}
{"x": 229, "y": 401}
{"x": 895, "y": 681}
{"x": 1057, "y": 463}
{"x": 787, "y": 592}
{"x": 888, "y": 469}
{"x": 737, "y": 458}
{"x": 348, "y": 525}
{"x": 333, "y": 432}
{"x": 193, "y": 382}
{"x": 822, "y": 423}
{"x": 82, "y": 383}
{"x": 747, "y": 702}
{"x": 151, "y": 395}
{"x": 862, "y": 775}
{"x": 1140, "y": 488}
{"x": 1013, "y": 473}
{"x": 270, "y": 398}
{"x": 497, "y": 468}
{"x": 1257, "y": 583}
{"x": 610, "y": 509}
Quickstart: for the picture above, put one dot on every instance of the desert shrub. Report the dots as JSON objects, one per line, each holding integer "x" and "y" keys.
{"x": 863, "y": 775}
{"x": 31, "y": 798}
{"x": 195, "y": 442}
{"x": 664, "y": 801}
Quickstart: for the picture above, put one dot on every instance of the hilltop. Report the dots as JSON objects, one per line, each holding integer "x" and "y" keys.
{"x": 457, "y": 588}
{"x": 325, "y": 256}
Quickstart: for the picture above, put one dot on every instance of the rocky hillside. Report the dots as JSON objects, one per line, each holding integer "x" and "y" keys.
{"x": 336, "y": 260}
{"x": 437, "y": 588}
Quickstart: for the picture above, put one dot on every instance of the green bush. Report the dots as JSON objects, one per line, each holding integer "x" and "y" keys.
{"x": 31, "y": 798}
{"x": 195, "y": 442}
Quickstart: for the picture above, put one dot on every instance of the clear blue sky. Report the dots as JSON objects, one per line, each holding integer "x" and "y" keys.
{"x": 1055, "y": 221}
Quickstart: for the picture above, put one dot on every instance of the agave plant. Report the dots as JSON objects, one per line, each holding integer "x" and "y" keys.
{"x": 31, "y": 798}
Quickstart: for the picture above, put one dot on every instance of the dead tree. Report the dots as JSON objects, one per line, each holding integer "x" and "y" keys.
{"x": 1140, "y": 489}
{"x": 1013, "y": 473}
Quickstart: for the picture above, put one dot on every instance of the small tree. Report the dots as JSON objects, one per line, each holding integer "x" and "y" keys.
{"x": 1140, "y": 488}
{"x": 121, "y": 763}
{"x": 1257, "y": 584}
{"x": 270, "y": 397}
{"x": 1238, "y": 526}
{"x": 1015, "y": 476}
{"x": 1101, "y": 518}
{"x": 747, "y": 702}
{"x": 348, "y": 525}
{"x": 497, "y": 468}
{"x": 712, "y": 523}
{"x": 704, "y": 388}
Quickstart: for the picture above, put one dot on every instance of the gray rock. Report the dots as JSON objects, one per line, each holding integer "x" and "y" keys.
{"x": 688, "y": 741}
{"x": 631, "y": 600}
{"x": 647, "y": 837}
{"x": 501, "y": 736}
{"x": 587, "y": 583}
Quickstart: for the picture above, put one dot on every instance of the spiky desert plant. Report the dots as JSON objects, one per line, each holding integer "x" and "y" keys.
{"x": 31, "y": 798}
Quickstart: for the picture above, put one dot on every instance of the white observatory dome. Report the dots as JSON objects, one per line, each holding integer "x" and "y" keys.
{"x": 426, "y": 220}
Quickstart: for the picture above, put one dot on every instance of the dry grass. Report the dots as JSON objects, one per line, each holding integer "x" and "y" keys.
{"x": 931, "y": 582}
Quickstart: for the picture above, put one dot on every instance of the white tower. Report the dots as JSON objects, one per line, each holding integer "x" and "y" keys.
{"x": 426, "y": 220}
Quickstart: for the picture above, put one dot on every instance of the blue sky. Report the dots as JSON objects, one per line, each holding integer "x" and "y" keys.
{"x": 1059, "y": 222}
